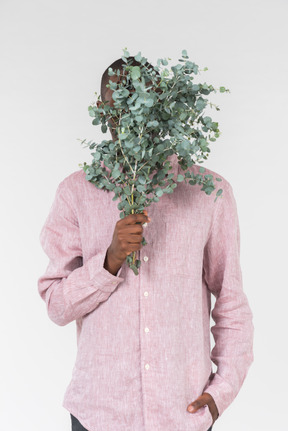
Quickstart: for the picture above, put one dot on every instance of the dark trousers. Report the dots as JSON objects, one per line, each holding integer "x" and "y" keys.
{"x": 77, "y": 426}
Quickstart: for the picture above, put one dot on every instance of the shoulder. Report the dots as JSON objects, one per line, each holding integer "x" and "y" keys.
{"x": 225, "y": 202}
{"x": 76, "y": 178}
{"x": 76, "y": 187}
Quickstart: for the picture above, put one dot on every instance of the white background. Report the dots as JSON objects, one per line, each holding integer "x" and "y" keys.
{"x": 53, "y": 54}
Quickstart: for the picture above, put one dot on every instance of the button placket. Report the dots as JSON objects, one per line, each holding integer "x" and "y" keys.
{"x": 146, "y": 329}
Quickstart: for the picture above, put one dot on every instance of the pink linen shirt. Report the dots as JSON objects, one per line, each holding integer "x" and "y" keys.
{"x": 143, "y": 342}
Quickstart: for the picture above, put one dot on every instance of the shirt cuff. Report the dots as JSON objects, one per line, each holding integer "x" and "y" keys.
{"x": 221, "y": 392}
{"x": 99, "y": 276}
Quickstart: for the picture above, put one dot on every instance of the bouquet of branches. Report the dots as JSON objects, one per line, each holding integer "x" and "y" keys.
{"x": 157, "y": 112}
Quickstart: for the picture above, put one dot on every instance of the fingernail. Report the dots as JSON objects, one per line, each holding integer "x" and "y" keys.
{"x": 191, "y": 408}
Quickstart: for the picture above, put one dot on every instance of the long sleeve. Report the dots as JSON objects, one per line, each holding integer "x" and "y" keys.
{"x": 69, "y": 288}
{"x": 233, "y": 331}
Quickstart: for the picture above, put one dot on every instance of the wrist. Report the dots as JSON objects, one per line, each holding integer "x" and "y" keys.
{"x": 111, "y": 263}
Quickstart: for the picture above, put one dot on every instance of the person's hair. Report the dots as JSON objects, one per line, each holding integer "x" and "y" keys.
{"x": 118, "y": 64}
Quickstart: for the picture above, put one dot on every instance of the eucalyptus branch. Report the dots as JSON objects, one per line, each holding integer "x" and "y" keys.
{"x": 119, "y": 141}
{"x": 144, "y": 126}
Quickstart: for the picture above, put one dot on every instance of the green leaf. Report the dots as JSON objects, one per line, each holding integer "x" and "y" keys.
{"x": 141, "y": 188}
{"x": 159, "y": 192}
{"x": 195, "y": 88}
{"x": 126, "y": 53}
{"x": 129, "y": 258}
{"x": 122, "y": 136}
{"x": 129, "y": 144}
{"x": 165, "y": 116}
{"x": 115, "y": 173}
{"x": 180, "y": 178}
{"x": 200, "y": 104}
{"x": 135, "y": 73}
{"x": 219, "y": 192}
{"x": 127, "y": 190}
{"x": 96, "y": 121}
{"x": 138, "y": 57}
{"x": 160, "y": 148}
{"x": 134, "y": 268}
{"x": 104, "y": 128}
{"x": 92, "y": 113}
{"x": 149, "y": 102}
{"x": 142, "y": 180}
{"x": 137, "y": 149}
{"x": 201, "y": 169}
{"x": 222, "y": 89}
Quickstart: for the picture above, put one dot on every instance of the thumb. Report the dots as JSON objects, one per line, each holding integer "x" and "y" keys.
{"x": 196, "y": 405}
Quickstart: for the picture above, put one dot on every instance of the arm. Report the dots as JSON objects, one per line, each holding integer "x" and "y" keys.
{"x": 233, "y": 330}
{"x": 69, "y": 288}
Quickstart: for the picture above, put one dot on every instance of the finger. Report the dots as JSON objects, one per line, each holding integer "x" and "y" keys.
{"x": 135, "y": 218}
{"x": 197, "y": 404}
{"x": 134, "y": 239}
{"x": 145, "y": 212}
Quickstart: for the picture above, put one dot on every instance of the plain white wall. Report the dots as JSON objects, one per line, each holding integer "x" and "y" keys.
{"x": 53, "y": 54}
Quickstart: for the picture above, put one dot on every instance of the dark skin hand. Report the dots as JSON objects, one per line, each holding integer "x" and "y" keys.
{"x": 127, "y": 238}
{"x": 205, "y": 398}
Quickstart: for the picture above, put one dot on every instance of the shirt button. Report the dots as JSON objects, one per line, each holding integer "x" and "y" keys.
{"x": 146, "y": 329}
{"x": 144, "y": 224}
{"x": 147, "y": 366}
{"x": 145, "y": 258}
{"x": 146, "y": 293}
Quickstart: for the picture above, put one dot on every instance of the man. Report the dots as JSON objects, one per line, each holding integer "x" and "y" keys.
{"x": 143, "y": 341}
